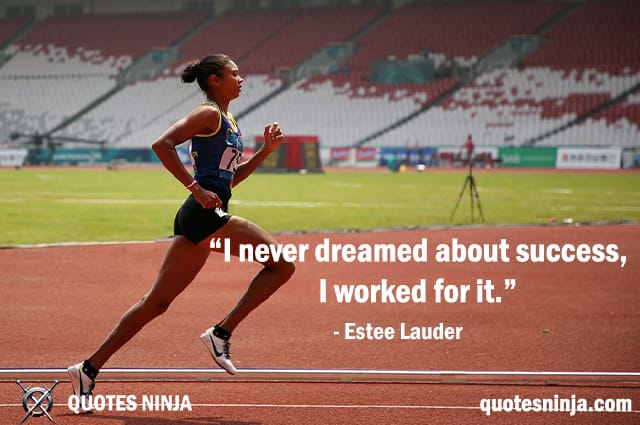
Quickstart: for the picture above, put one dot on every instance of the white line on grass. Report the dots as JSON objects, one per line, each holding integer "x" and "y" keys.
{"x": 618, "y": 208}
{"x": 238, "y": 202}
{"x": 559, "y": 191}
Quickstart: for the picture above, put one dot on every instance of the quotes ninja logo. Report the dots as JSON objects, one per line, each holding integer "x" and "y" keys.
{"x": 37, "y": 401}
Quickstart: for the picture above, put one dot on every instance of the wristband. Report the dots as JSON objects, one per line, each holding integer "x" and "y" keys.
{"x": 190, "y": 185}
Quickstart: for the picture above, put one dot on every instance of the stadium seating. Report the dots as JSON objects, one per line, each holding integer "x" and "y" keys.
{"x": 67, "y": 62}
{"x": 588, "y": 61}
{"x": 236, "y": 33}
{"x": 264, "y": 40}
{"x": 458, "y": 33}
{"x": 9, "y": 27}
{"x": 139, "y": 128}
{"x": 139, "y": 112}
{"x": 135, "y": 116}
{"x": 307, "y": 31}
{"x": 574, "y": 72}
{"x": 598, "y": 43}
{"x": 36, "y": 104}
{"x": 107, "y": 42}
{"x": 617, "y": 125}
{"x": 511, "y": 107}
{"x": 599, "y": 34}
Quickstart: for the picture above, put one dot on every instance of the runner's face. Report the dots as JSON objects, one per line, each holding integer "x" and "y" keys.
{"x": 230, "y": 81}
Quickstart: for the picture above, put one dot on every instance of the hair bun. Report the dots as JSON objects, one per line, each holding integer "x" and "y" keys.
{"x": 190, "y": 73}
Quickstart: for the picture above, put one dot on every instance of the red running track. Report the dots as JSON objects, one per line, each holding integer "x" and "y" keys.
{"x": 59, "y": 302}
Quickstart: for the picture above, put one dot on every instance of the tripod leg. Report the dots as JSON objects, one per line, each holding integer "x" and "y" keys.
{"x": 464, "y": 186}
{"x": 471, "y": 186}
{"x": 474, "y": 191}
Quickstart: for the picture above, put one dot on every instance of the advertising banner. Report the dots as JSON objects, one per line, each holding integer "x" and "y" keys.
{"x": 12, "y": 157}
{"x": 296, "y": 154}
{"x": 528, "y": 157}
{"x": 340, "y": 156}
{"x": 408, "y": 156}
{"x": 589, "y": 158}
{"x": 366, "y": 157}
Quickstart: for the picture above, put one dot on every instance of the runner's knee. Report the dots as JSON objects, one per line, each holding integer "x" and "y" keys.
{"x": 286, "y": 268}
{"x": 154, "y": 305}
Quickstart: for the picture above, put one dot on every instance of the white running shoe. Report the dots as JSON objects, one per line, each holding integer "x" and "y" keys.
{"x": 82, "y": 384}
{"x": 219, "y": 349}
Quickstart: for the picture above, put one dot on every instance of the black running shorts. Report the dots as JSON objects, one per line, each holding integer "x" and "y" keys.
{"x": 197, "y": 223}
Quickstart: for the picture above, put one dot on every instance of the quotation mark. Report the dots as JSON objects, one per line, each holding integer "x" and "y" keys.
{"x": 510, "y": 283}
{"x": 215, "y": 243}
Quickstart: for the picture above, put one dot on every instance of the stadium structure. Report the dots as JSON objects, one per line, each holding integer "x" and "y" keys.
{"x": 536, "y": 83}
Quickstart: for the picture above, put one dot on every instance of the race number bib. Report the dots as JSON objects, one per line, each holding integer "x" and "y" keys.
{"x": 232, "y": 155}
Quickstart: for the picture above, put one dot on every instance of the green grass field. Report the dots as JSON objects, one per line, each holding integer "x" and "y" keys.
{"x": 65, "y": 204}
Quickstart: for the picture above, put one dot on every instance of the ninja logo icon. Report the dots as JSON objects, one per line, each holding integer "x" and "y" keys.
{"x": 37, "y": 401}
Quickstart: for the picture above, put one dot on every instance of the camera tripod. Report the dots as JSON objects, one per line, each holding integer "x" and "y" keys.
{"x": 473, "y": 194}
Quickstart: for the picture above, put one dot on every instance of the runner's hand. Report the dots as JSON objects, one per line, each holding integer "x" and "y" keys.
{"x": 206, "y": 198}
{"x": 273, "y": 136}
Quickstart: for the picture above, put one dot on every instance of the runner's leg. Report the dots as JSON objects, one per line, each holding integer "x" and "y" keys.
{"x": 267, "y": 281}
{"x": 181, "y": 264}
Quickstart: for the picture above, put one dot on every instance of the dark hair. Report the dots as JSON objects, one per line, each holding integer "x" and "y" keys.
{"x": 210, "y": 65}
